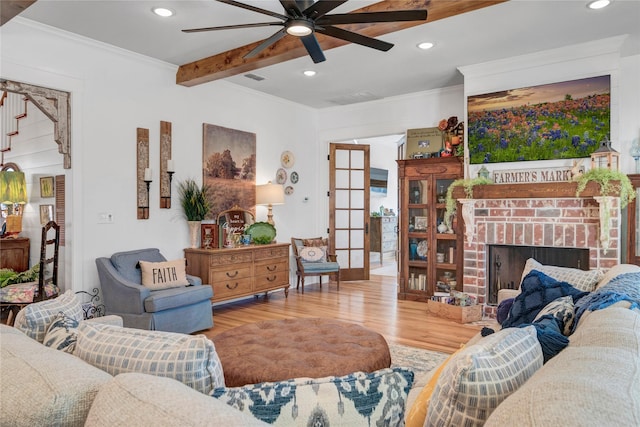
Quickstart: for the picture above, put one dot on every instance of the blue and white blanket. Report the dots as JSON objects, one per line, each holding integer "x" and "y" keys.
{"x": 625, "y": 287}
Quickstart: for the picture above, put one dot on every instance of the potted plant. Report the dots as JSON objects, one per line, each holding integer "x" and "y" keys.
{"x": 611, "y": 182}
{"x": 195, "y": 205}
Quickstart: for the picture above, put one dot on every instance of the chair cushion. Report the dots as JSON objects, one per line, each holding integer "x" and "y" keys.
{"x": 34, "y": 319}
{"x": 164, "y": 275}
{"x": 318, "y": 267}
{"x": 166, "y": 299}
{"x": 23, "y": 293}
{"x": 190, "y": 359}
{"x": 126, "y": 263}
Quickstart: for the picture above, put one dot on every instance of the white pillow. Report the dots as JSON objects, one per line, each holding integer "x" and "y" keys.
{"x": 164, "y": 275}
{"x": 481, "y": 376}
{"x": 615, "y": 271}
{"x": 35, "y": 319}
{"x": 585, "y": 280}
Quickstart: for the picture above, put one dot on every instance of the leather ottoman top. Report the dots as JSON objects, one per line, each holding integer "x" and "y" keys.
{"x": 276, "y": 350}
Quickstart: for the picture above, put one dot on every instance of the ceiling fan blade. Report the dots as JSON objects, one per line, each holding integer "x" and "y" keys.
{"x": 321, "y": 8}
{"x": 291, "y": 7}
{"x": 230, "y": 27}
{"x": 266, "y": 43}
{"x": 313, "y": 47}
{"x": 368, "y": 17}
{"x": 254, "y": 9}
{"x": 352, "y": 37}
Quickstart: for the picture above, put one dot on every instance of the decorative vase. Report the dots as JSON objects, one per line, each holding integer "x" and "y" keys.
{"x": 194, "y": 230}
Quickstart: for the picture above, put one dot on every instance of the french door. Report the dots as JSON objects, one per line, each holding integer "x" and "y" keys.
{"x": 349, "y": 208}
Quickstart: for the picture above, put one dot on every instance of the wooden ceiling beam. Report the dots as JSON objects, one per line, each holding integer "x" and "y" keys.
{"x": 231, "y": 62}
{"x": 11, "y": 8}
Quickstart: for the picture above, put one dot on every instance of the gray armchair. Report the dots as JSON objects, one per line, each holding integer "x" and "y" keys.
{"x": 185, "y": 309}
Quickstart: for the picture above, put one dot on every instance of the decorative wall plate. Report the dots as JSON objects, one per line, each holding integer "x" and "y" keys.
{"x": 288, "y": 190}
{"x": 281, "y": 176}
{"x": 422, "y": 249}
{"x": 287, "y": 159}
{"x": 294, "y": 177}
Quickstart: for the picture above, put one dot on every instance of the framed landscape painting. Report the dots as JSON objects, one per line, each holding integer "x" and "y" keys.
{"x": 554, "y": 121}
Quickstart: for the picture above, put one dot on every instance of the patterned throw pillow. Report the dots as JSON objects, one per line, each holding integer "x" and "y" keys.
{"x": 483, "y": 375}
{"x": 62, "y": 334}
{"x": 313, "y": 254}
{"x": 376, "y": 398}
{"x": 190, "y": 359}
{"x": 164, "y": 275}
{"x": 316, "y": 241}
{"x": 34, "y": 319}
{"x": 562, "y": 310}
{"x": 585, "y": 280}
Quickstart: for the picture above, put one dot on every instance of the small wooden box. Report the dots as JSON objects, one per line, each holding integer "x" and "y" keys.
{"x": 457, "y": 313}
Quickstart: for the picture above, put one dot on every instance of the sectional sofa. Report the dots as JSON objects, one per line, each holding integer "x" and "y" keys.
{"x": 595, "y": 380}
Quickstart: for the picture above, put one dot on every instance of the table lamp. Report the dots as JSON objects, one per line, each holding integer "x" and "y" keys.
{"x": 269, "y": 194}
{"x": 13, "y": 193}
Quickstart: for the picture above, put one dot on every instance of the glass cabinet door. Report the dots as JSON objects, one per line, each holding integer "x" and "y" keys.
{"x": 419, "y": 228}
{"x": 446, "y": 241}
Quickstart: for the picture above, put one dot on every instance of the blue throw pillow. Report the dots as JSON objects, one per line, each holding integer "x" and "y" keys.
{"x": 503, "y": 309}
{"x": 537, "y": 290}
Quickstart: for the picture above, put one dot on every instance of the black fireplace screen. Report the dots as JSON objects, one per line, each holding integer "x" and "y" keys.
{"x": 506, "y": 262}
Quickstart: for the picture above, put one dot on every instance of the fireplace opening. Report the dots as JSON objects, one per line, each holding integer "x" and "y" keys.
{"x": 506, "y": 262}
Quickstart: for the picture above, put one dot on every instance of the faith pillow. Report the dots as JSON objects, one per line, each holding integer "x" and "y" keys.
{"x": 164, "y": 275}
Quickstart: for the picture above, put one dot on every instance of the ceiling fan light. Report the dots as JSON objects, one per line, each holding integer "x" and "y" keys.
{"x": 299, "y": 28}
{"x": 598, "y": 4}
{"x": 163, "y": 11}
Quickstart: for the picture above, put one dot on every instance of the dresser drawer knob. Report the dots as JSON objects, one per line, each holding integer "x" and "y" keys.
{"x": 232, "y": 275}
{"x": 232, "y": 287}
{"x": 272, "y": 268}
{"x": 272, "y": 278}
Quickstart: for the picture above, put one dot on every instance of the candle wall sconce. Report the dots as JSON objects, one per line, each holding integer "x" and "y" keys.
{"x": 166, "y": 165}
{"x": 143, "y": 173}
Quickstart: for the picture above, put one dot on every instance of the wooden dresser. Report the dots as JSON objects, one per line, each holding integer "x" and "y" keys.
{"x": 242, "y": 271}
{"x": 384, "y": 234}
{"x": 14, "y": 254}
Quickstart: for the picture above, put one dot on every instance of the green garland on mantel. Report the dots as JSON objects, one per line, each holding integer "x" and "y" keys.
{"x": 604, "y": 177}
{"x": 468, "y": 185}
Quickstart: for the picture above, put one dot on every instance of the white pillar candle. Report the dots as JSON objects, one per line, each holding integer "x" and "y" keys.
{"x": 170, "y": 166}
{"x": 147, "y": 174}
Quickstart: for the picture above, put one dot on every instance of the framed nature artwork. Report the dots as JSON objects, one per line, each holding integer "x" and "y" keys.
{"x": 228, "y": 168}
{"x": 554, "y": 121}
{"x": 46, "y": 187}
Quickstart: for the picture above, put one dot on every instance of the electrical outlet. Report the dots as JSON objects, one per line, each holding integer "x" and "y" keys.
{"x": 105, "y": 218}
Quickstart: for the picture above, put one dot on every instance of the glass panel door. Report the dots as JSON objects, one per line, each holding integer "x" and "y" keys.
{"x": 349, "y": 209}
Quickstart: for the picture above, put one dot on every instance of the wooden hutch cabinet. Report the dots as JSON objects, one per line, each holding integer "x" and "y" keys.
{"x": 428, "y": 251}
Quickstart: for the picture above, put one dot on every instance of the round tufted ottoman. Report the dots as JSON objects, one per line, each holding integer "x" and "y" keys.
{"x": 276, "y": 350}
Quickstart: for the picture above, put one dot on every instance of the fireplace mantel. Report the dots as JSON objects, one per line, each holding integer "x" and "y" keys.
{"x": 544, "y": 190}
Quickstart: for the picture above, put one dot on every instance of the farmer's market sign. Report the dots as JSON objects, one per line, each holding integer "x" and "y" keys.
{"x": 521, "y": 176}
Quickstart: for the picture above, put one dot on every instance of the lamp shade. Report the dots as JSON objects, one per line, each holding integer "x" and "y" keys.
{"x": 13, "y": 187}
{"x": 269, "y": 194}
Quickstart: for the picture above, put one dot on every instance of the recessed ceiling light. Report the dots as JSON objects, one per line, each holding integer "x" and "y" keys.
{"x": 425, "y": 45}
{"x": 309, "y": 73}
{"x": 163, "y": 11}
{"x": 599, "y": 4}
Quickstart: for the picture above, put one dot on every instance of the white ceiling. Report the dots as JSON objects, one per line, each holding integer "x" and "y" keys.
{"x": 351, "y": 73}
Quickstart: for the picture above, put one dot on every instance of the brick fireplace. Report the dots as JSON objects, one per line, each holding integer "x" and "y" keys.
{"x": 547, "y": 214}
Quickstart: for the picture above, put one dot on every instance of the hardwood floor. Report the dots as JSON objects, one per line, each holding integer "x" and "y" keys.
{"x": 372, "y": 304}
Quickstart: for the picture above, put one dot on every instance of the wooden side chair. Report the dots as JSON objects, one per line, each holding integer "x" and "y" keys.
{"x": 17, "y": 296}
{"x": 314, "y": 258}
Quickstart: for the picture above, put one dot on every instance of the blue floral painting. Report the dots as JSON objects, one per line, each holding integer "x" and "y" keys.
{"x": 555, "y": 121}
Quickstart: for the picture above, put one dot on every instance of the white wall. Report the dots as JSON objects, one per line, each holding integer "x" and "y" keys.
{"x": 113, "y": 92}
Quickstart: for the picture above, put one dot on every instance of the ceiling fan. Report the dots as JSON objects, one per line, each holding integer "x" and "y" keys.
{"x": 303, "y": 18}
